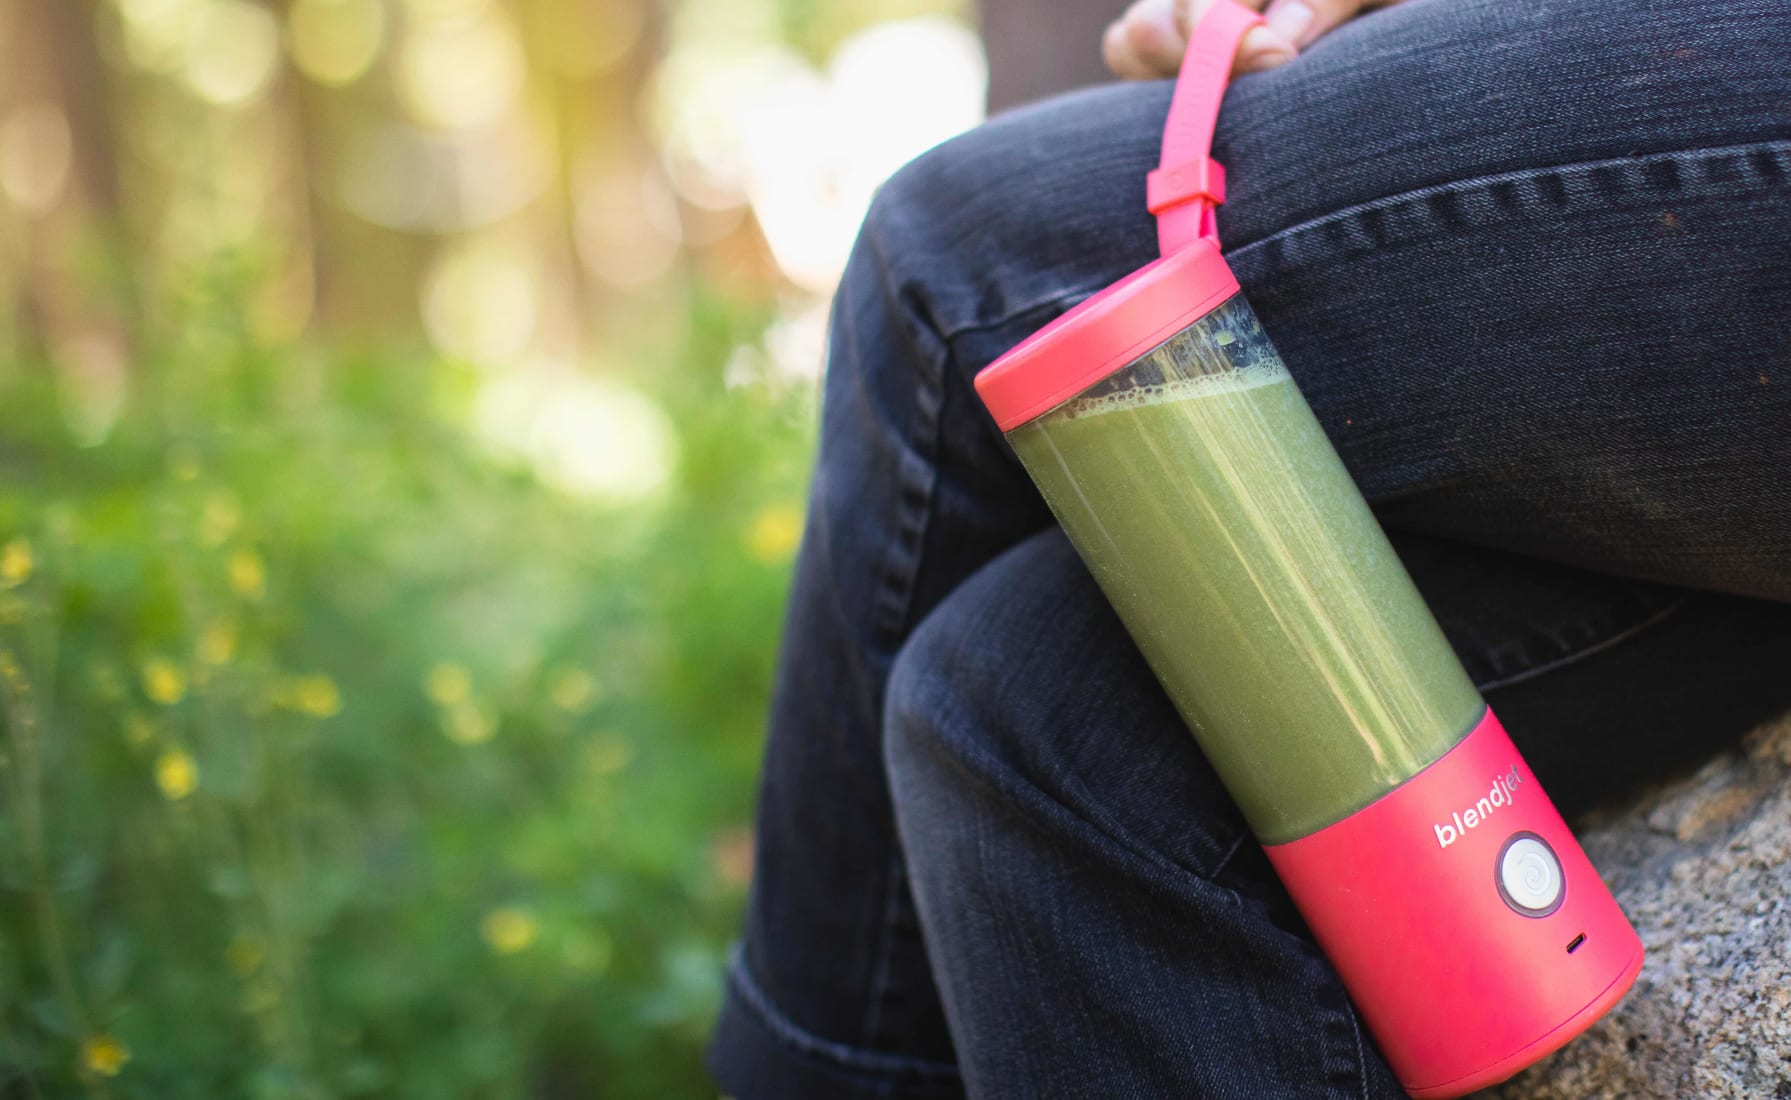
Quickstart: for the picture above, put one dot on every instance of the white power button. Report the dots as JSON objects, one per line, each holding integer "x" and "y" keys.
{"x": 1529, "y": 876}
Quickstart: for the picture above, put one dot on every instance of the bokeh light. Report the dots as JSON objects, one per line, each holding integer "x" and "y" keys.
{"x": 626, "y": 226}
{"x": 808, "y": 147}
{"x": 460, "y": 66}
{"x": 156, "y": 32}
{"x": 591, "y": 437}
{"x": 480, "y": 301}
{"x": 410, "y": 410}
{"x": 93, "y": 381}
{"x": 406, "y": 177}
{"x": 796, "y": 343}
{"x": 34, "y": 155}
{"x": 232, "y": 48}
{"x": 335, "y": 42}
{"x": 597, "y": 36}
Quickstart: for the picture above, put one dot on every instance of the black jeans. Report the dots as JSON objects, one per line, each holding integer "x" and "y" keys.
{"x": 1530, "y": 262}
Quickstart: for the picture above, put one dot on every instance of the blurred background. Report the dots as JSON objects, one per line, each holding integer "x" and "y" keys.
{"x": 407, "y": 407}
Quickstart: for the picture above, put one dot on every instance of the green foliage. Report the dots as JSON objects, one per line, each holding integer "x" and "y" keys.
{"x": 345, "y": 758}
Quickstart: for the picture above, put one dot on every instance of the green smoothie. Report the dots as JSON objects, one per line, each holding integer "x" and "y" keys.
{"x": 1223, "y": 528}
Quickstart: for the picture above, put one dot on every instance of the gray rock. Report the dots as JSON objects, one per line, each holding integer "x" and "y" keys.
{"x": 1703, "y": 868}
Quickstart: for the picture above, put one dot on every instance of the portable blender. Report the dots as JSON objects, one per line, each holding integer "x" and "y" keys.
{"x": 1472, "y": 932}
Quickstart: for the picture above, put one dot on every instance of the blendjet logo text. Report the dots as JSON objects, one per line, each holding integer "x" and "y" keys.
{"x": 1504, "y": 788}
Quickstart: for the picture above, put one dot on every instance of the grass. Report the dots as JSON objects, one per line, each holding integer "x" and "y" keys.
{"x": 345, "y": 756}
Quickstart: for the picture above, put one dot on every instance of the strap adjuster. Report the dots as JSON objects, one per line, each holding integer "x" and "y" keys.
{"x": 1202, "y": 178}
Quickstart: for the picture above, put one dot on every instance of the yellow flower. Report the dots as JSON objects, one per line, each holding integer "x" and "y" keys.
{"x": 448, "y": 684}
{"x": 163, "y": 681}
{"x": 468, "y": 724}
{"x": 573, "y": 690}
{"x": 244, "y": 956}
{"x": 16, "y": 561}
{"x": 104, "y": 1055}
{"x": 508, "y": 929}
{"x": 217, "y": 643}
{"x": 177, "y": 774}
{"x": 248, "y": 574}
{"x": 774, "y": 533}
{"x": 315, "y": 695}
{"x": 219, "y": 520}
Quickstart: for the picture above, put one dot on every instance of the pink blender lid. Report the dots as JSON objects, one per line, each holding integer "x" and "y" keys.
{"x": 1105, "y": 333}
{"x": 1147, "y": 307}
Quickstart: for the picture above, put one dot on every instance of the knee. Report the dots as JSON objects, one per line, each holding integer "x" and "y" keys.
{"x": 940, "y": 699}
{"x": 970, "y": 694}
{"x": 1021, "y": 695}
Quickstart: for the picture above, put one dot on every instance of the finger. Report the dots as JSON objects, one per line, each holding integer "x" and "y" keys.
{"x": 1303, "y": 22}
{"x": 1188, "y": 12}
{"x": 1117, "y": 53}
{"x": 1152, "y": 37}
{"x": 1156, "y": 34}
{"x": 1261, "y": 48}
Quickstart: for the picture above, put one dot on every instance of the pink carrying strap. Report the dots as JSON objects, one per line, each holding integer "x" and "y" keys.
{"x": 1189, "y": 185}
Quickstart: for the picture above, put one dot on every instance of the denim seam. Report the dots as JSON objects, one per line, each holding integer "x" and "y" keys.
{"x": 1591, "y": 177}
{"x": 1225, "y": 859}
{"x": 1105, "y": 823}
{"x": 1753, "y": 181}
{"x": 1355, "y": 1026}
{"x": 917, "y": 479}
{"x": 880, "y": 977}
{"x": 984, "y": 767}
{"x": 1031, "y": 800}
{"x": 1056, "y": 301}
{"x": 915, "y": 482}
{"x": 791, "y": 1034}
{"x": 1591, "y": 649}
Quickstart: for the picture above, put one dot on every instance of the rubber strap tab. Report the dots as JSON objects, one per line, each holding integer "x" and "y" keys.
{"x": 1184, "y": 192}
{"x": 1193, "y": 179}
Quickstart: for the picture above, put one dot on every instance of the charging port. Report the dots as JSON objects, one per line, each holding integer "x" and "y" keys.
{"x": 1575, "y": 944}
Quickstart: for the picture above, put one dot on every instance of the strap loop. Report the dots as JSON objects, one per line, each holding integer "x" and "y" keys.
{"x": 1202, "y": 179}
{"x": 1190, "y": 184}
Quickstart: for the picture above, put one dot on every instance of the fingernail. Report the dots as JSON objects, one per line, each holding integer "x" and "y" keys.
{"x": 1289, "y": 19}
{"x": 1263, "y": 49}
{"x": 1264, "y": 60}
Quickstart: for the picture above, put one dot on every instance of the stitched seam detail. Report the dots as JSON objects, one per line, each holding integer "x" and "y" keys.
{"x": 1029, "y": 798}
{"x": 1750, "y": 179}
{"x": 1361, "y": 1060}
{"x": 893, "y": 884}
{"x": 1097, "y": 817}
{"x": 1577, "y": 181}
{"x": 1591, "y": 650}
{"x": 1219, "y": 868}
{"x": 789, "y": 1033}
{"x": 916, "y": 480}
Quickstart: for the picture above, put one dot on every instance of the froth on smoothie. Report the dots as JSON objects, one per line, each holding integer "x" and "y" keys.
{"x": 1172, "y": 390}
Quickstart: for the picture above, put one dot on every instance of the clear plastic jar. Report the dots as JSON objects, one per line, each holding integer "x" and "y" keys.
{"x": 1219, "y": 521}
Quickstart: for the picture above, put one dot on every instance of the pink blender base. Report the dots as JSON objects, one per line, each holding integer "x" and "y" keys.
{"x": 1474, "y": 935}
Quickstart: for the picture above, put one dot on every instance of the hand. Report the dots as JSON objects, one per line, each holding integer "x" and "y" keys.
{"x": 1147, "y": 42}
